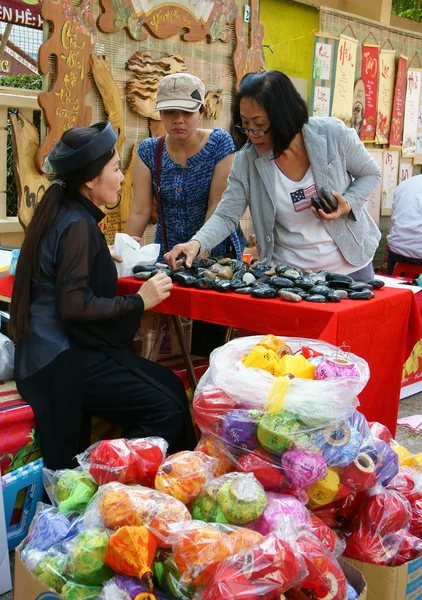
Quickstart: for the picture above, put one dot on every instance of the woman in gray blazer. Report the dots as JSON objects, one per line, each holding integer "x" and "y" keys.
{"x": 286, "y": 158}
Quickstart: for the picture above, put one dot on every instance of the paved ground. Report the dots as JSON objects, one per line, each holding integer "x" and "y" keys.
{"x": 409, "y": 406}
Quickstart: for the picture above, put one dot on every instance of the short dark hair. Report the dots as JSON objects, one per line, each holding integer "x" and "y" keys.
{"x": 287, "y": 111}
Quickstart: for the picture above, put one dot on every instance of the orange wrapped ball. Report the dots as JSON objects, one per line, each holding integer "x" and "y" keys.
{"x": 198, "y": 553}
{"x": 121, "y": 506}
{"x": 117, "y": 508}
{"x": 244, "y": 538}
{"x": 184, "y": 474}
{"x": 213, "y": 446}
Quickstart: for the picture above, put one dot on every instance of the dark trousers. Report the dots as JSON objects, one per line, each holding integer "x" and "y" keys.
{"x": 143, "y": 397}
{"x": 393, "y": 258}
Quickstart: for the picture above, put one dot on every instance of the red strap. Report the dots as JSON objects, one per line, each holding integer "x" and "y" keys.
{"x": 158, "y": 164}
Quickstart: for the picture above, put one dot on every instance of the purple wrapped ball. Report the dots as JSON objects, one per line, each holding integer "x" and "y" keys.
{"x": 239, "y": 431}
{"x": 387, "y": 463}
{"x": 303, "y": 468}
{"x": 48, "y": 528}
{"x": 281, "y": 507}
{"x": 133, "y": 587}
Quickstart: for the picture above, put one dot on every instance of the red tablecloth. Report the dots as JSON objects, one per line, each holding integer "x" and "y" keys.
{"x": 382, "y": 330}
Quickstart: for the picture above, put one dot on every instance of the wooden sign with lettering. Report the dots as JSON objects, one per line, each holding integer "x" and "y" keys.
{"x": 345, "y": 79}
{"x": 30, "y": 184}
{"x": 248, "y": 58}
{"x": 370, "y": 66}
{"x": 163, "y": 19}
{"x": 385, "y": 95}
{"x": 71, "y": 43}
{"x": 323, "y": 76}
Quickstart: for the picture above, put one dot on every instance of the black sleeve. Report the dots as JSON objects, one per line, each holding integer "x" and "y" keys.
{"x": 74, "y": 298}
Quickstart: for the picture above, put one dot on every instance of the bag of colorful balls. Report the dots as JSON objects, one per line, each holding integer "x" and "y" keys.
{"x": 125, "y": 461}
{"x": 294, "y": 424}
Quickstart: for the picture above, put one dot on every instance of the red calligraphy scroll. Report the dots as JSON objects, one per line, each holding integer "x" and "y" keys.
{"x": 397, "y": 117}
{"x": 370, "y": 65}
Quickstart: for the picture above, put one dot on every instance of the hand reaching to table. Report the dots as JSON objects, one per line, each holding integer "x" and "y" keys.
{"x": 190, "y": 250}
{"x": 155, "y": 290}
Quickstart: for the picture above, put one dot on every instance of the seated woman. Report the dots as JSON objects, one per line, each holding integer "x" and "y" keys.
{"x": 285, "y": 160}
{"x": 73, "y": 334}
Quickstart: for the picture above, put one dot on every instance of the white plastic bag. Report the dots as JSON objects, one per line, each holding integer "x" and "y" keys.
{"x": 311, "y": 400}
{"x": 133, "y": 254}
{"x": 7, "y": 358}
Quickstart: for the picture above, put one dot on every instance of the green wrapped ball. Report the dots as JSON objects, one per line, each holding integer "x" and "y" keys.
{"x": 74, "y": 491}
{"x": 167, "y": 576}
{"x": 87, "y": 565}
{"x": 51, "y": 571}
{"x": 276, "y": 433}
{"x": 242, "y": 500}
{"x": 207, "y": 509}
{"x": 75, "y": 591}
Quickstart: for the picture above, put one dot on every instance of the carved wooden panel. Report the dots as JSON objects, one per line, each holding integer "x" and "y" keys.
{"x": 248, "y": 58}
{"x": 71, "y": 44}
{"x": 110, "y": 95}
{"x": 162, "y": 19}
{"x": 141, "y": 91}
{"x": 213, "y": 104}
{"x": 30, "y": 184}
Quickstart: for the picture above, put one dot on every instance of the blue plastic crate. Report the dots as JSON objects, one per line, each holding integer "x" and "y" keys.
{"x": 29, "y": 479}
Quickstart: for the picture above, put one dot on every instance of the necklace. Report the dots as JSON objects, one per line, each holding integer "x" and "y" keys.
{"x": 171, "y": 153}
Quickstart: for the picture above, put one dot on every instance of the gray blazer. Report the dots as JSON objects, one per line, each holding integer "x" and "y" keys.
{"x": 336, "y": 155}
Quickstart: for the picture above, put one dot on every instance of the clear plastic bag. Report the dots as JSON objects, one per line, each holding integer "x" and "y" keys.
{"x": 126, "y": 461}
{"x": 48, "y": 527}
{"x": 116, "y": 505}
{"x": 324, "y": 400}
{"x": 266, "y": 571}
{"x": 7, "y": 358}
{"x": 69, "y": 490}
{"x": 235, "y": 498}
{"x": 184, "y": 474}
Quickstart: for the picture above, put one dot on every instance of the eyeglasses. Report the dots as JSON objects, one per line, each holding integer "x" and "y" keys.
{"x": 255, "y": 132}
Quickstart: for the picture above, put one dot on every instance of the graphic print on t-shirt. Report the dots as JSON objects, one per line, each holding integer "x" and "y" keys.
{"x": 301, "y": 198}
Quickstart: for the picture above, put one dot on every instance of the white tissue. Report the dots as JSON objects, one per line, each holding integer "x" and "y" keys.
{"x": 133, "y": 254}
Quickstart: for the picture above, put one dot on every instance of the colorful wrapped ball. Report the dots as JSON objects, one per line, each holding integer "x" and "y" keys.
{"x": 216, "y": 448}
{"x": 339, "y": 444}
{"x": 184, "y": 474}
{"x": 276, "y": 433}
{"x": 198, "y": 553}
{"x": 168, "y": 576}
{"x": 303, "y": 468}
{"x": 206, "y": 508}
{"x": 387, "y": 463}
{"x": 336, "y": 367}
{"x": 87, "y": 564}
{"x": 112, "y": 460}
{"x": 51, "y": 571}
{"x": 238, "y": 430}
{"x": 209, "y": 406}
{"x": 242, "y": 499}
{"x": 74, "y": 490}
{"x": 48, "y": 528}
{"x": 130, "y": 551}
{"x": 263, "y": 466}
{"x": 386, "y": 512}
{"x": 279, "y": 508}
{"x": 119, "y": 507}
{"x": 133, "y": 587}
{"x": 149, "y": 456}
{"x": 75, "y": 591}
{"x": 360, "y": 474}
{"x": 243, "y": 539}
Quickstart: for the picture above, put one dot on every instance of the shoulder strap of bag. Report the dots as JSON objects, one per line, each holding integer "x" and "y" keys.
{"x": 158, "y": 164}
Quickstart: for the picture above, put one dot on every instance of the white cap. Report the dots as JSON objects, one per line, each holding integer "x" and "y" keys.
{"x": 180, "y": 91}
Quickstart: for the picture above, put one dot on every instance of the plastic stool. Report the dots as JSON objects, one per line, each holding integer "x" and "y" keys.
{"x": 29, "y": 478}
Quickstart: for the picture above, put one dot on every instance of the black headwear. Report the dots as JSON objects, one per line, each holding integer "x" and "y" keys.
{"x": 63, "y": 160}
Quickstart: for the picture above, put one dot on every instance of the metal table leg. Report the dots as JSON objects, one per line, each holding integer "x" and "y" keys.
{"x": 185, "y": 351}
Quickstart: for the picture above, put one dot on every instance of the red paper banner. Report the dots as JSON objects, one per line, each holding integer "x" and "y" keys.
{"x": 21, "y": 12}
{"x": 397, "y": 117}
{"x": 370, "y": 64}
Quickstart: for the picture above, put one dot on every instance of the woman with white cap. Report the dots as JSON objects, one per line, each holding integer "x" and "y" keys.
{"x": 73, "y": 334}
{"x": 192, "y": 165}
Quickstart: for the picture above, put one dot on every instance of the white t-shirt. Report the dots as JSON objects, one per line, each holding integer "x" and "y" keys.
{"x": 406, "y": 219}
{"x": 300, "y": 239}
